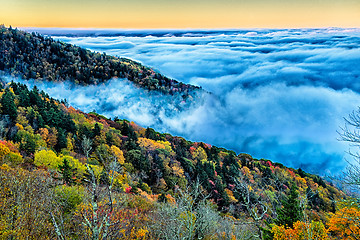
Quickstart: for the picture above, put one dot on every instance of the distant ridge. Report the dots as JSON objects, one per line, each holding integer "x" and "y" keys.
{"x": 98, "y": 32}
{"x": 33, "y": 56}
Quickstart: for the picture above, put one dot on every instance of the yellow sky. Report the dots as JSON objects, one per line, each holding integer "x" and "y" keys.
{"x": 180, "y": 13}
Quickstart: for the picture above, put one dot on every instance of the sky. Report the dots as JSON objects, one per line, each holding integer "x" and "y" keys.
{"x": 275, "y": 94}
{"x": 175, "y": 14}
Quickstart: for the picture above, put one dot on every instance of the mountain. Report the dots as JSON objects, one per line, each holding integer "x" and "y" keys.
{"x": 33, "y": 56}
{"x": 67, "y": 174}
{"x": 42, "y": 134}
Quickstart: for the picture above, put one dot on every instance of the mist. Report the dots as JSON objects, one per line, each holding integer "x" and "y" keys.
{"x": 275, "y": 94}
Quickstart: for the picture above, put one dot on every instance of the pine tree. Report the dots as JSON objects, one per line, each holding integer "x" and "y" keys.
{"x": 66, "y": 172}
{"x": 8, "y": 106}
{"x": 291, "y": 210}
{"x": 150, "y": 133}
{"x": 61, "y": 140}
{"x": 97, "y": 130}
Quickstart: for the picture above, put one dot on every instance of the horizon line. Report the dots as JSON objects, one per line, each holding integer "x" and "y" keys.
{"x": 181, "y": 29}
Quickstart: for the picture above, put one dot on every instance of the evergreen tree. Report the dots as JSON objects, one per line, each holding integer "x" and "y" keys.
{"x": 127, "y": 130}
{"x": 40, "y": 121}
{"x": 150, "y": 133}
{"x": 97, "y": 130}
{"x": 29, "y": 146}
{"x": 138, "y": 160}
{"x": 61, "y": 140}
{"x": 24, "y": 99}
{"x": 66, "y": 172}
{"x": 267, "y": 232}
{"x": 291, "y": 210}
{"x": 104, "y": 177}
{"x": 8, "y": 106}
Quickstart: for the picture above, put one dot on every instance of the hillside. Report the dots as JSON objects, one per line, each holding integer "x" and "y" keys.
{"x": 54, "y": 150}
{"x": 33, "y": 56}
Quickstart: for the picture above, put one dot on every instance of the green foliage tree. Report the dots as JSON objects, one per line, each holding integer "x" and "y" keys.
{"x": 69, "y": 197}
{"x": 61, "y": 140}
{"x": 128, "y": 130}
{"x": 67, "y": 172}
{"x": 291, "y": 210}
{"x": 8, "y": 106}
{"x": 138, "y": 160}
{"x": 97, "y": 129}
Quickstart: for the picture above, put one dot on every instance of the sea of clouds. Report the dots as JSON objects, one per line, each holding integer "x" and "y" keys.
{"x": 276, "y": 94}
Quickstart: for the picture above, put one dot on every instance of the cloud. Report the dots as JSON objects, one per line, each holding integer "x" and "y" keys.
{"x": 276, "y": 94}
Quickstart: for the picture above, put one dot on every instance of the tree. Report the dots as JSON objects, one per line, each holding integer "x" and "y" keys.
{"x": 345, "y": 222}
{"x": 97, "y": 220}
{"x": 97, "y": 130}
{"x": 67, "y": 172}
{"x": 301, "y": 230}
{"x": 8, "y": 106}
{"x": 138, "y": 160}
{"x": 4, "y": 122}
{"x": 351, "y": 133}
{"x": 191, "y": 216}
{"x": 291, "y": 210}
{"x": 25, "y": 199}
{"x": 46, "y": 158}
{"x": 257, "y": 209}
{"x": 61, "y": 140}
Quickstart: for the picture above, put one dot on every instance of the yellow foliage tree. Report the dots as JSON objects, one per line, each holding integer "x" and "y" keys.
{"x": 118, "y": 154}
{"x": 177, "y": 169}
{"x": 149, "y": 144}
{"x": 70, "y": 142}
{"x": 4, "y": 150}
{"x": 9, "y": 154}
{"x": 47, "y": 158}
{"x": 167, "y": 146}
{"x": 231, "y": 195}
{"x": 199, "y": 154}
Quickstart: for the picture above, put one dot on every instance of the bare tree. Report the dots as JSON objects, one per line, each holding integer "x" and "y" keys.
{"x": 351, "y": 133}
{"x": 4, "y": 122}
{"x": 256, "y": 209}
{"x": 86, "y": 145}
{"x": 192, "y": 216}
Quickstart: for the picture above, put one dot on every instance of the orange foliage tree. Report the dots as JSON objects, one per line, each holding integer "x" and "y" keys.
{"x": 345, "y": 222}
{"x": 301, "y": 231}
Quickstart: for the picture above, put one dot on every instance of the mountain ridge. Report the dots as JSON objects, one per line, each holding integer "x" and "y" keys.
{"x": 33, "y": 56}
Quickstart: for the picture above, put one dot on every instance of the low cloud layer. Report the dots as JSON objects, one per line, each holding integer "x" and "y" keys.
{"x": 278, "y": 94}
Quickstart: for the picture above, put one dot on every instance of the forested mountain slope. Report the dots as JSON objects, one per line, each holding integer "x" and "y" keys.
{"x": 33, "y": 56}
{"x": 56, "y": 150}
